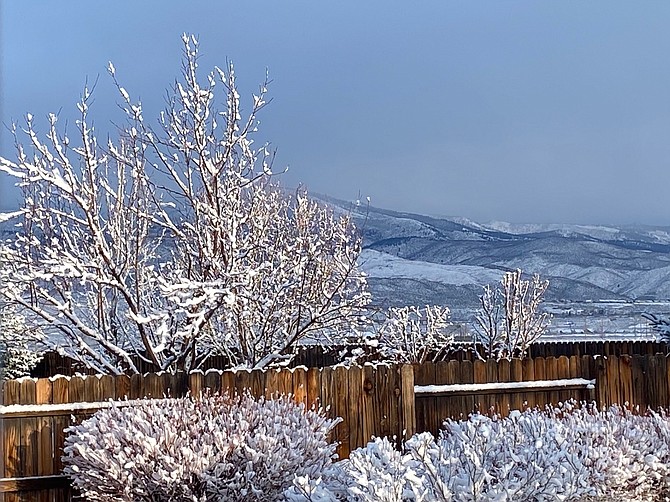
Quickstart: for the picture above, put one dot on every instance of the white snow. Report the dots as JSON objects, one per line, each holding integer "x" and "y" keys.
{"x": 18, "y": 410}
{"x": 385, "y": 266}
{"x": 8, "y": 216}
{"x": 501, "y": 386}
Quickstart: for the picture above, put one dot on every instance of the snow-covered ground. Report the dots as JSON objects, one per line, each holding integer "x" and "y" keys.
{"x": 386, "y": 266}
{"x": 601, "y": 319}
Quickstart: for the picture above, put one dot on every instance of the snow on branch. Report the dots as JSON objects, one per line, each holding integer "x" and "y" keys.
{"x": 509, "y": 319}
{"x": 661, "y": 324}
{"x": 174, "y": 243}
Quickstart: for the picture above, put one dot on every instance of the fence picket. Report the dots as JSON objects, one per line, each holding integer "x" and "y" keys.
{"x": 299, "y": 385}
{"x": 516, "y": 375}
{"x": 503, "y": 401}
{"x": 563, "y": 372}
{"x": 355, "y": 376}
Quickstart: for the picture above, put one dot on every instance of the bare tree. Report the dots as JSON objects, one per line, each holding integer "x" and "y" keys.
{"x": 509, "y": 320}
{"x": 414, "y": 335}
{"x": 487, "y": 331}
{"x": 175, "y": 243}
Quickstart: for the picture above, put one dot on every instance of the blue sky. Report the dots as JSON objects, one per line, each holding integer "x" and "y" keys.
{"x": 525, "y": 111}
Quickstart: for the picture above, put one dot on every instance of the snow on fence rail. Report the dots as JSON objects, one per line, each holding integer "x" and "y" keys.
{"x": 500, "y": 387}
{"x": 53, "y": 410}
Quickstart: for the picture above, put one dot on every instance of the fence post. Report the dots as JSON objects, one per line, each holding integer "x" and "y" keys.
{"x": 407, "y": 405}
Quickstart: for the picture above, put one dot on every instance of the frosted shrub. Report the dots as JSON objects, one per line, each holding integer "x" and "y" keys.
{"x": 565, "y": 453}
{"x": 216, "y": 448}
{"x": 524, "y": 457}
{"x": 627, "y": 455}
{"x": 380, "y": 473}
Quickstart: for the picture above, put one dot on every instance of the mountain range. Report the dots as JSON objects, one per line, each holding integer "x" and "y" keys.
{"x": 418, "y": 259}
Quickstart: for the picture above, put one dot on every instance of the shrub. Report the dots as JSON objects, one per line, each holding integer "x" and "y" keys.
{"x": 381, "y": 473}
{"x": 627, "y": 455}
{"x": 214, "y": 448}
{"x": 565, "y": 453}
{"x": 222, "y": 448}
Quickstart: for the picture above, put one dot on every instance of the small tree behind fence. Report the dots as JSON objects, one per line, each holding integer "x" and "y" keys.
{"x": 509, "y": 320}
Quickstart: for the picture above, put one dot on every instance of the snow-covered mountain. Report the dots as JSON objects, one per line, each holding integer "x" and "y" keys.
{"x": 418, "y": 259}
{"x": 413, "y": 258}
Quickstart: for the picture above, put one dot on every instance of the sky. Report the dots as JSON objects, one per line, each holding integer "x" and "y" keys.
{"x": 523, "y": 111}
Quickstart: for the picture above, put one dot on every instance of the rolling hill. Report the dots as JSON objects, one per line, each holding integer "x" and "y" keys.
{"x": 412, "y": 258}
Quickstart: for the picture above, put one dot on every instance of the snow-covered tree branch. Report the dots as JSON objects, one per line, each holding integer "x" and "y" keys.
{"x": 414, "y": 335}
{"x": 509, "y": 320}
{"x": 17, "y": 358}
{"x": 174, "y": 243}
{"x": 660, "y": 324}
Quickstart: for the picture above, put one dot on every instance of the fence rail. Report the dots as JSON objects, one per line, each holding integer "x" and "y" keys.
{"x": 383, "y": 400}
{"x": 463, "y": 389}
{"x": 41, "y": 485}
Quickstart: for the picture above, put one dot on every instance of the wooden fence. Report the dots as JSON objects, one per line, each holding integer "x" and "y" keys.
{"x": 372, "y": 400}
{"x": 598, "y": 348}
{"x": 632, "y": 381}
{"x": 463, "y": 352}
{"x": 320, "y": 357}
{"x": 378, "y": 400}
{"x": 431, "y": 410}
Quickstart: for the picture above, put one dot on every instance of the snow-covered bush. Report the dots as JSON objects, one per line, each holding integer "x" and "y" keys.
{"x": 627, "y": 455}
{"x": 16, "y": 359}
{"x": 381, "y": 473}
{"x": 213, "y": 448}
{"x": 525, "y": 457}
{"x": 565, "y": 453}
